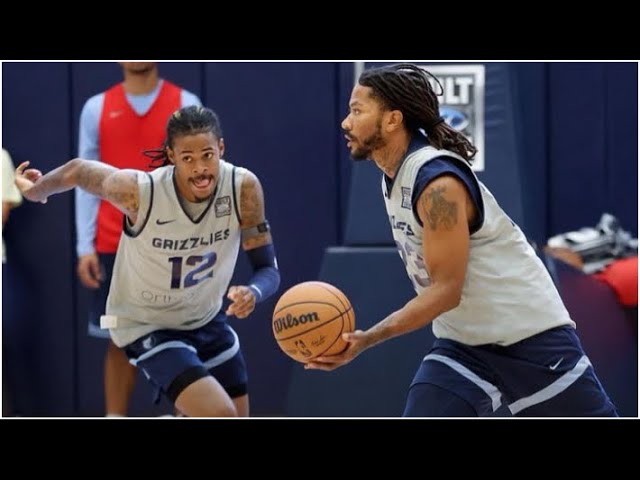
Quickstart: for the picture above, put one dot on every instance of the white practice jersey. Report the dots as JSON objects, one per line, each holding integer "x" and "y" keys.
{"x": 507, "y": 296}
{"x": 175, "y": 271}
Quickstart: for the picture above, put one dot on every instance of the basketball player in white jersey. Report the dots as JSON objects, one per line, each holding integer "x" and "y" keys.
{"x": 502, "y": 332}
{"x": 183, "y": 227}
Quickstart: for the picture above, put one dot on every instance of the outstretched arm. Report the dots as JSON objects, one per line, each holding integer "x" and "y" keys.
{"x": 257, "y": 242}
{"x": 119, "y": 187}
{"x": 444, "y": 207}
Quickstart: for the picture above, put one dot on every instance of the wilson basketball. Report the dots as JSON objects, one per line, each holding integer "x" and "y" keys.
{"x": 309, "y": 320}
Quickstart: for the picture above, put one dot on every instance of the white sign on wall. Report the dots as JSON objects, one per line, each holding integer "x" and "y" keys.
{"x": 462, "y": 102}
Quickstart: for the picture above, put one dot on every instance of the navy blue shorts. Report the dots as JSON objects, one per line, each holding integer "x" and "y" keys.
{"x": 164, "y": 355}
{"x": 544, "y": 375}
{"x": 98, "y": 301}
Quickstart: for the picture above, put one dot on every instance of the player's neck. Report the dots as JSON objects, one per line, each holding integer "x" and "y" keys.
{"x": 389, "y": 158}
{"x": 141, "y": 84}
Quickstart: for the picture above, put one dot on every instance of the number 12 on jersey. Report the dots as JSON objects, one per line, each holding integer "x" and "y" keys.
{"x": 201, "y": 263}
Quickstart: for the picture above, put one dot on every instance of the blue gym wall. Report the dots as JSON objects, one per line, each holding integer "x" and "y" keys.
{"x": 564, "y": 150}
{"x": 578, "y": 130}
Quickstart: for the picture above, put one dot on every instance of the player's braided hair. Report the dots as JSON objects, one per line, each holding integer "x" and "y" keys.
{"x": 406, "y": 87}
{"x": 186, "y": 121}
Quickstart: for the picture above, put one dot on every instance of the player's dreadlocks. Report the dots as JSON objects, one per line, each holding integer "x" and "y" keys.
{"x": 406, "y": 87}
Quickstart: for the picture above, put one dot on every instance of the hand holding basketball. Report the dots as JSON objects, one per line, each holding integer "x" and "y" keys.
{"x": 357, "y": 342}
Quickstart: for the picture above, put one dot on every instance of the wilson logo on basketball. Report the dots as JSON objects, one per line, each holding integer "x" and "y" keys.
{"x": 284, "y": 323}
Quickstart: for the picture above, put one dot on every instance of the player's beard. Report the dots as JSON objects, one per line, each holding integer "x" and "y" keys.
{"x": 365, "y": 148}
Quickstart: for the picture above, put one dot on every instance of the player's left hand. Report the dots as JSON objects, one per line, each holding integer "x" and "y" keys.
{"x": 357, "y": 343}
{"x": 243, "y": 301}
{"x": 26, "y": 180}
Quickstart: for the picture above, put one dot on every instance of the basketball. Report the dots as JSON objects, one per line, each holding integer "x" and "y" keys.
{"x": 309, "y": 320}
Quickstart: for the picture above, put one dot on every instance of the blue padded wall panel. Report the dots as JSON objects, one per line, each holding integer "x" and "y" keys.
{"x": 279, "y": 121}
{"x": 376, "y": 383}
{"x": 36, "y": 127}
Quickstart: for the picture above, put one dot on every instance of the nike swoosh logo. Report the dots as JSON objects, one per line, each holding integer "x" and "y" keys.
{"x": 553, "y": 367}
{"x": 161, "y": 222}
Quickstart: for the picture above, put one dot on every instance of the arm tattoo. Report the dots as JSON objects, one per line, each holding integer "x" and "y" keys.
{"x": 442, "y": 213}
{"x": 252, "y": 211}
{"x": 124, "y": 192}
{"x": 119, "y": 187}
{"x": 91, "y": 177}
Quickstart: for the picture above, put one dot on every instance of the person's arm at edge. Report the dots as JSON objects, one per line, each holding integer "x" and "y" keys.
{"x": 11, "y": 196}
{"x": 6, "y": 208}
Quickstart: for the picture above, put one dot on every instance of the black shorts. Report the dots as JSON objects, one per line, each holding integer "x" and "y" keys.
{"x": 164, "y": 355}
{"x": 547, "y": 374}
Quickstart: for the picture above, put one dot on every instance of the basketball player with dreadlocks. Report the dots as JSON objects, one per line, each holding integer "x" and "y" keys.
{"x": 502, "y": 331}
{"x": 184, "y": 223}
{"x": 116, "y": 126}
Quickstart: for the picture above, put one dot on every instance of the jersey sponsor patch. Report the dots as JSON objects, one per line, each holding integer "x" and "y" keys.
{"x": 223, "y": 206}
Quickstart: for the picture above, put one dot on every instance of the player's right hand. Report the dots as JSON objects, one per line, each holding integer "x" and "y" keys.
{"x": 89, "y": 270}
{"x": 358, "y": 342}
{"x": 26, "y": 180}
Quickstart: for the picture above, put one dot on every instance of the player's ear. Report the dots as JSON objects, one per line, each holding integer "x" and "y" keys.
{"x": 393, "y": 120}
{"x": 221, "y": 146}
{"x": 171, "y": 155}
